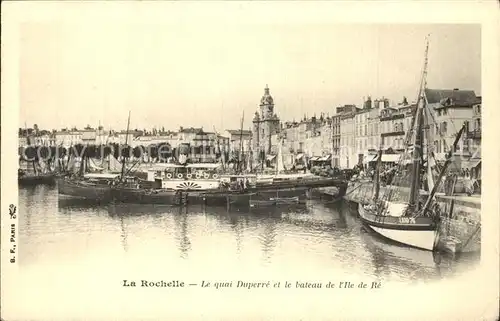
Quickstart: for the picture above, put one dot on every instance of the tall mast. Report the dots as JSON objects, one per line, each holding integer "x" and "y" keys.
{"x": 241, "y": 143}
{"x": 417, "y": 141}
{"x": 126, "y": 142}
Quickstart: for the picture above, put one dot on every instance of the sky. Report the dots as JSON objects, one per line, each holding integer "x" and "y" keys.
{"x": 210, "y": 75}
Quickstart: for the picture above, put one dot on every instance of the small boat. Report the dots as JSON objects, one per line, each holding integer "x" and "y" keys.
{"x": 274, "y": 201}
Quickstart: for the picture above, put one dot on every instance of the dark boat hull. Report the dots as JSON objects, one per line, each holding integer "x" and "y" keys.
{"x": 81, "y": 190}
{"x": 264, "y": 193}
{"x": 245, "y": 198}
{"x": 36, "y": 179}
{"x": 143, "y": 196}
{"x": 419, "y": 232}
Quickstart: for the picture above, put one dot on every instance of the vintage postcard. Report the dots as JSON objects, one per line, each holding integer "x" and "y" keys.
{"x": 250, "y": 160}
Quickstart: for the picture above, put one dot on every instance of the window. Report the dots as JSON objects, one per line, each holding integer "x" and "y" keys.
{"x": 445, "y": 111}
{"x": 444, "y": 128}
{"x": 366, "y": 131}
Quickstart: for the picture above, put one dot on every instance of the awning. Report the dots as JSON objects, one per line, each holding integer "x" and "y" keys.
{"x": 472, "y": 163}
{"x": 390, "y": 158}
{"x": 270, "y": 157}
{"x": 204, "y": 165}
{"x": 299, "y": 156}
{"x": 163, "y": 166}
{"x": 314, "y": 158}
{"x": 476, "y": 154}
{"x": 440, "y": 157}
{"x": 325, "y": 158}
{"x": 370, "y": 158}
{"x": 104, "y": 176}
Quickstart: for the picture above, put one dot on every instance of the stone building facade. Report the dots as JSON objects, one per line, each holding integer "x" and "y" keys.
{"x": 450, "y": 109}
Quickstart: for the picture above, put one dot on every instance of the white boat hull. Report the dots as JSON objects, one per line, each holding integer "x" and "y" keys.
{"x": 419, "y": 239}
{"x": 411, "y": 234}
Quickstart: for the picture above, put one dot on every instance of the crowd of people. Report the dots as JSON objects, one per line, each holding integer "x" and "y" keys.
{"x": 467, "y": 179}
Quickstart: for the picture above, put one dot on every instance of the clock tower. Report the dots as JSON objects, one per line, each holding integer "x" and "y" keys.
{"x": 265, "y": 124}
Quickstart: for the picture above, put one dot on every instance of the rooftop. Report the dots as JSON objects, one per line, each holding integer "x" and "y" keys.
{"x": 453, "y": 97}
{"x": 190, "y": 130}
{"x": 243, "y": 132}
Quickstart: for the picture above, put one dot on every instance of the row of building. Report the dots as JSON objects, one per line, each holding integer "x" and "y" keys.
{"x": 354, "y": 135}
{"x": 204, "y": 145}
{"x": 349, "y": 137}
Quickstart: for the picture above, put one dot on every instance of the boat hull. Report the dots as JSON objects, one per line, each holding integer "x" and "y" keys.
{"x": 40, "y": 179}
{"x": 275, "y": 202}
{"x": 417, "y": 232}
{"x": 253, "y": 196}
{"x": 143, "y": 196}
{"x": 91, "y": 192}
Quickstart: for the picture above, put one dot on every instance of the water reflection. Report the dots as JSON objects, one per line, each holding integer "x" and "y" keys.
{"x": 123, "y": 235}
{"x": 268, "y": 238}
{"x": 181, "y": 232}
{"x": 57, "y": 230}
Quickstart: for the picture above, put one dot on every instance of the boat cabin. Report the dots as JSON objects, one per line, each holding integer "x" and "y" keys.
{"x": 199, "y": 176}
{"x": 183, "y": 172}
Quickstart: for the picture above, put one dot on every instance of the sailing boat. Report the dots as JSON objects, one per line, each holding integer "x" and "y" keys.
{"x": 94, "y": 186}
{"x": 409, "y": 220}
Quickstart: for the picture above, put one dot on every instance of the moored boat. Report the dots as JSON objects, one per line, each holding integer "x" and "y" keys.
{"x": 408, "y": 219}
{"x": 28, "y": 179}
{"x": 275, "y": 201}
{"x": 418, "y": 232}
{"x": 92, "y": 187}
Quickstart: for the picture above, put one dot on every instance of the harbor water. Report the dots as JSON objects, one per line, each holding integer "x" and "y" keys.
{"x": 320, "y": 238}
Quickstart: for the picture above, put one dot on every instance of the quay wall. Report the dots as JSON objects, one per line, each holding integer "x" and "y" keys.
{"x": 462, "y": 226}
